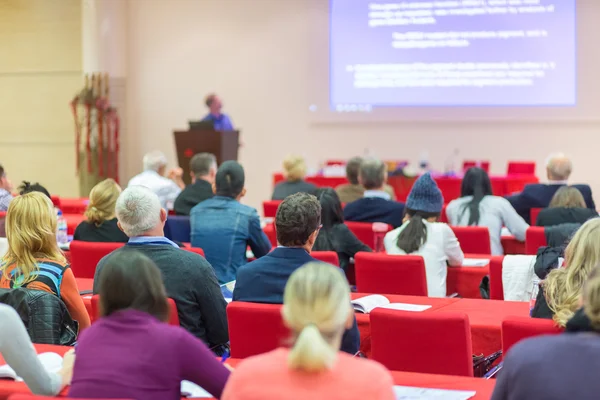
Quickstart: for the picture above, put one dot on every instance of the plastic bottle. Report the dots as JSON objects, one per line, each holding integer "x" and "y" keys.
{"x": 61, "y": 231}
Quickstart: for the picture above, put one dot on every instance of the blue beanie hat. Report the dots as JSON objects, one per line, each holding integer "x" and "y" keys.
{"x": 425, "y": 196}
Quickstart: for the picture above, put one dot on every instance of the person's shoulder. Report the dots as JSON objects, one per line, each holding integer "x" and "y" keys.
{"x": 266, "y": 365}
{"x": 537, "y": 349}
{"x": 360, "y": 372}
{"x": 245, "y": 209}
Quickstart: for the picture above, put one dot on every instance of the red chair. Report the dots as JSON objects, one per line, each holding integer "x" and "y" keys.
{"x": 485, "y": 165}
{"x": 255, "y": 328}
{"x": 496, "y": 286}
{"x": 515, "y": 329}
{"x": 270, "y": 208}
{"x": 196, "y": 250}
{"x": 86, "y": 255}
{"x": 535, "y": 237}
{"x": 473, "y": 239}
{"x": 533, "y": 215}
{"x": 72, "y": 221}
{"x": 55, "y": 200}
{"x": 173, "y": 315}
{"x": 331, "y": 163}
{"x": 443, "y": 216}
{"x": 269, "y": 230}
{"x": 449, "y": 186}
{"x": 521, "y": 168}
{"x": 387, "y": 274}
{"x": 430, "y": 343}
{"x": 329, "y": 257}
{"x": 364, "y": 232}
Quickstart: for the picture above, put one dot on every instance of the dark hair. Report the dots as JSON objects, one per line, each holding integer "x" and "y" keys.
{"x": 28, "y": 187}
{"x": 230, "y": 179}
{"x": 414, "y": 234}
{"x": 209, "y": 99}
{"x": 372, "y": 174}
{"x": 331, "y": 215}
{"x": 130, "y": 280}
{"x": 2, "y": 172}
{"x": 298, "y": 216}
{"x": 352, "y": 169}
{"x": 201, "y": 164}
{"x": 476, "y": 183}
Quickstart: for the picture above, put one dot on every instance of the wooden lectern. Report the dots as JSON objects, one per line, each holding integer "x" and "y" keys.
{"x": 223, "y": 144}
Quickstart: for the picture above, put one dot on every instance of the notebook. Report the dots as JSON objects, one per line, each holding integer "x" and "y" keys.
{"x": 51, "y": 362}
{"x": 416, "y": 393}
{"x": 475, "y": 262}
{"x": 368, "y": 303}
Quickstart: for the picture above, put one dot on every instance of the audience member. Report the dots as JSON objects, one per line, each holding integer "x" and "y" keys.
{"x": 316, "y": 308}
{"x": 188, "y": 277}
{"x": 33, "y": 259}
{"x": 349, "y": 192}
{"x": 558, "y": 366}
{"x": 297, "y": 224}
{"x": 224, "y": 227}
{"x": 539, "y": 195}
{"x": 376, "y": 204}
{"x": 294, "y": 171}
{"x": 559, "y": 294}
{"x": 131, "y": 352}
{"x": 221, "y": 121}
{"x": 422, "y": 235}
{"x": 18, "y": 352}
{"x": 334, "y": 234}
{"x": 5, "y": 190}
{"x": 155, "y": 167}
{"x": 203, "y": 169}
{"x": 28, "y": 187}
{"x": 567, "y": 206}
{"x": 101, "y": 223}
{"x": 478, "y": 207}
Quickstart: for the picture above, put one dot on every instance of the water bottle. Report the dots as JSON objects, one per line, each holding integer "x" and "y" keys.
{"x": 61, "y": 232}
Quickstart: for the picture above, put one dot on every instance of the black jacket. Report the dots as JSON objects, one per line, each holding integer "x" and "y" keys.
{"x": 560, "y": 235}
{"x": 339, "y": 238}
{"x": 563, "y": 215}
{"x": 44, "y": 315}
{"x": 193, "y": 194}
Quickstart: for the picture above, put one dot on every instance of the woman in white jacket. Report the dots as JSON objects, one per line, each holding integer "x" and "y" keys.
{"x": 421, "y": 234}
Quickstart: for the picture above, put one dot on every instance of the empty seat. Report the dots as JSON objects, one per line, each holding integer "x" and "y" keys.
{"x": 521, "y": 167}
{"x": 86, "y": 255}
{"x": 485, "y": 165}
{"x": 473, "y": 239}
{"x": 390, "y": 274}
{"x": 270, "y": 208}
{"x": 431, "y": 343}
{"x": 515, "y": 329}
{"x": 535, "y": 237}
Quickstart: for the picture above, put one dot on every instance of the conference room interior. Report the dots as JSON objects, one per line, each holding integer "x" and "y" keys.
{"x": 294, "y": 90}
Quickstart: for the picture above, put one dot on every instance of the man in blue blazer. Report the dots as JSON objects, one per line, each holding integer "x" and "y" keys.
{"x": 297, "y": 224}
{"x": 376, "y": 204}
{"x": 539, "y": 195}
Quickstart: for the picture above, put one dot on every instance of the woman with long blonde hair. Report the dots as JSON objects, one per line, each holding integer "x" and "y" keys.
{"x": 33, "y": 259}
{"x": 562, "y": 288}
{"x": 563, "y": 366}
{"x": 101, "y": 223}
{"x": 316, "y": 308}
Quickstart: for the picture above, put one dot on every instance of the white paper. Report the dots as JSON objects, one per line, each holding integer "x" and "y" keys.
{"x": 193, "y": 391}
{"x": 51, "y": 362}
{"x": 416, "y": 393}
{"x": 368, "y": 303}
{"x": 406, "y": 307}
{"x": 475, "y": 262}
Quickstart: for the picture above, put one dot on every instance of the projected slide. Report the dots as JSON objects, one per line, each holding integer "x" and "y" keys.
{"x": 451, "y": 53}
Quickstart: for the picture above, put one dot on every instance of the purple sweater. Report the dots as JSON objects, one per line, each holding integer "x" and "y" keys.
{"x": 132, "y": 355}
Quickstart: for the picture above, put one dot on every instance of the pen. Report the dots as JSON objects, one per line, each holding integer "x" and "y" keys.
{"x": 224, "y": 357}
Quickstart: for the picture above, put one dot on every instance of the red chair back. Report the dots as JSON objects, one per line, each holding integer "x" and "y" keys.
{"x": 331, "y": 163}
{"x": 515, "y": 329}
{"x": 86, "y": 255}
{"x": 329, "y": 257}
{"x": 55, "y": 200}
{"x": 496, "y": 286}
{"x": 485, "y": 165}
{"x": 387, "y": 274}
{"x": 430, "y": 343}
{"x": 535, "y": 237}
{"x": 533, "y": 215}
{"x": 521, "y": 167}
{"x": 196, "y": 250}
{"x": 364, "y": 232}
{"x": 173, "y": 315}
{"x": 255, "y": 328}
{"x": 473, "y": 239}
{"x": 449, "y": 186}
{"x": 270, "y": 208}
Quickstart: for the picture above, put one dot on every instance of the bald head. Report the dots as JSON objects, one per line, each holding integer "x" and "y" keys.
{"x": 558, "y": 167}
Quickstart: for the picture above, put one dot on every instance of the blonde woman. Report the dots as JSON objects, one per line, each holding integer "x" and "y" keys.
{"x": 567, "y": 206}
{"x": 33, "y": 259}
{"x": 560, "y": 292}
{"x": 317, "y": 309}
{"x": 101, "y": 222}
{"x": 561, "y": 366}
{"x": 294, "y": 171}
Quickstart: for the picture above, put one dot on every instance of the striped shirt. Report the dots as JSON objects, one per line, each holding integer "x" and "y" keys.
{"x": 5, "y": 199}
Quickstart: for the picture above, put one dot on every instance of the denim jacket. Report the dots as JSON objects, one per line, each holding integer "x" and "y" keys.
{"x": 223, "y": 228}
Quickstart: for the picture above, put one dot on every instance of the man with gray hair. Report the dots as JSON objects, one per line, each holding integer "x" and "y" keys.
{"x": 153, "y": 177}
{"x": 203, "y": 169}
{"x": 188, "y": 278}
{"x": 539, "y": 195}
{"x": 376, "y": 204}
{"x": 353, "y": 190}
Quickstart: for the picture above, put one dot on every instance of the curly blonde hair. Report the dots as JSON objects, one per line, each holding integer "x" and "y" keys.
{"x": 563, "y": 286}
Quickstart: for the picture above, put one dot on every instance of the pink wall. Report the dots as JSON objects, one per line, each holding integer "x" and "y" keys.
{"x": 257, "y": 55}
